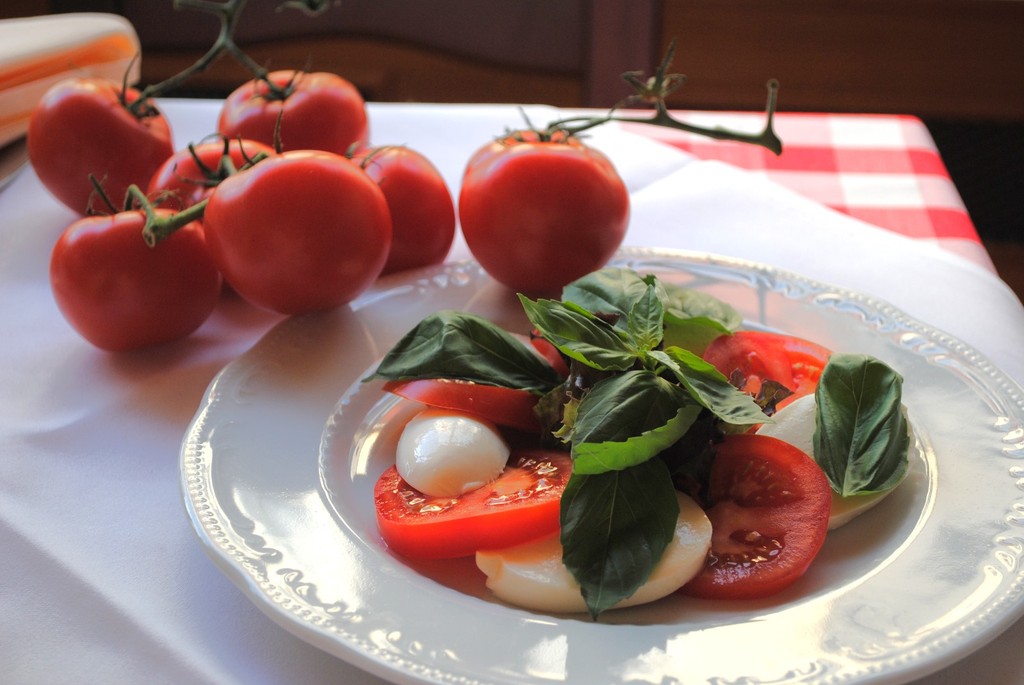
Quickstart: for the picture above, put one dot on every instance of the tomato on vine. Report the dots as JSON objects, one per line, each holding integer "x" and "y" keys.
{"x": 302, "y": 231}
{"x": 190, "y": 174}
{"x": 539, "y": 213}
{"x": 539, "y": 208}
{"x": 422, "y": 211}
{"x": 120, "y": 294}
{"x": 86, "y": 127}
{"x": 308, "y": 111}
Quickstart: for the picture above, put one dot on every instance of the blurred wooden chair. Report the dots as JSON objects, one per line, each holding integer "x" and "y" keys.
{"x": 558, "y": 52}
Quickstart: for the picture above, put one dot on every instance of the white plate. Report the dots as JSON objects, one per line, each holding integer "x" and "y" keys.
{"x": 279, "y": 465}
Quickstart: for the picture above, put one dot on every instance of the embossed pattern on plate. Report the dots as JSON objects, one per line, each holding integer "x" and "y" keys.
{"x": 278, "y": 466}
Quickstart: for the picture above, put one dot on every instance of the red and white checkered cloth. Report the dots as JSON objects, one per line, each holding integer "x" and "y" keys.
{"x": 882, "y": 169}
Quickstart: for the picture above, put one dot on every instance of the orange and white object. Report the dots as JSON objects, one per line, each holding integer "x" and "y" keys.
{"x": 37, "y": 52}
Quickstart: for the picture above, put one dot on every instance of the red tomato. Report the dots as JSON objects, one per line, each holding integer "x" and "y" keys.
{"x": 422, "y": 212}
{"x": 539, "y": 214}
{"x": 759, "y": 356}
{"x": 120, "y": 294}
{"x": 81, "y": 127}
{"x": 299, "y": 232}
{"x": 521, "y": 505}
{"x": 504, "y": 406}
{"x": 550, "y": 353}
{"x": 320, "y": 111}
{"x": 190, "y": 174}
{"x": 769, "y": 509}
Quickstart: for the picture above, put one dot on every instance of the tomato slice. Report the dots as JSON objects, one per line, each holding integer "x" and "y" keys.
{"x": 757, "y": 356}
{"x": 503, "y": 406}
{"x": 550, "y": 354}
{"x": 769, "y": 515}
{"x": 521, "y": 505}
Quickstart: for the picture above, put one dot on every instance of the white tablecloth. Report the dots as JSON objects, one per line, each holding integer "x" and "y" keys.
{"x": 101, "y": 577}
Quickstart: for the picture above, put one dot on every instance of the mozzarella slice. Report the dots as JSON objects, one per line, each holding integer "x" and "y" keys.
{"x": 795, "y": 424}
{"x": 442, "y": 454}
{"x": 533, "y": 576}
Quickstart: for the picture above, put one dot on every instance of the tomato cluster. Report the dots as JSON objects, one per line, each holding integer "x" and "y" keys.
{"x": 538, "y": 208}
{"x": 287, "y": 204}
{"x": 121, "y": 295}
{"x": 539, "y": 213}
{"x": 294, "y": 207}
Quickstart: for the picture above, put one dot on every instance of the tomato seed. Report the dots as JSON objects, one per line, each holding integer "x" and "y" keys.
{"x": 419, "y": 503}
{"x": 759, "y": 548}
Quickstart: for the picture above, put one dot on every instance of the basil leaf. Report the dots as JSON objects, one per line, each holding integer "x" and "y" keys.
{"x": 693, "y": 319}
{"x": 614, "y": 529}
{"x": 580, "y": 335}
{"x": 710, "y": 388}
{"x": 694, "y": 333}
{"x": 610, "y": 290}
{"x": 770, "y": 394}
{"x": 645, "y": 321}
{"x": 682, "y": 304}
{"x": 601, "y": 457}
{"x": 457, "y": 345}
{"x": 626, "y": 419}
{"x": 861, "y": 440}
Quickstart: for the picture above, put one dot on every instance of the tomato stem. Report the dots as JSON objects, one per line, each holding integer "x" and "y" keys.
{"x": 159, "y": 227}
{"x": 99, "y": 193}
{"x": 655, "y": 90}
{"x": 228, "y": 13}
{"x": 225, "y": 166}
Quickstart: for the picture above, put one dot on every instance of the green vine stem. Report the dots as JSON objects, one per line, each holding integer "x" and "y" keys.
{"x": 655, "y": 91}
{"x": 228, "y": 13}
{"x": 160, "y": 226}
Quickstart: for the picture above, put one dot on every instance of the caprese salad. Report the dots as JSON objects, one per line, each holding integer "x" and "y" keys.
{"x": 638, "y": 443}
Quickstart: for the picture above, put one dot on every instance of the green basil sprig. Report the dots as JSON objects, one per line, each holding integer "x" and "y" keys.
{"x": 620, "y": 508}
{"x": 631, "y": 405}
{"x": 615, "y": 290}
{"x": 692, "y": 319}
{"x": 861, "y": 440}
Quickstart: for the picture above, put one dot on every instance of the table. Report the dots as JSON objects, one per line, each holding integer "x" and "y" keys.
{"x": 882, "y": 169}
{"x": 103, "y": 580}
